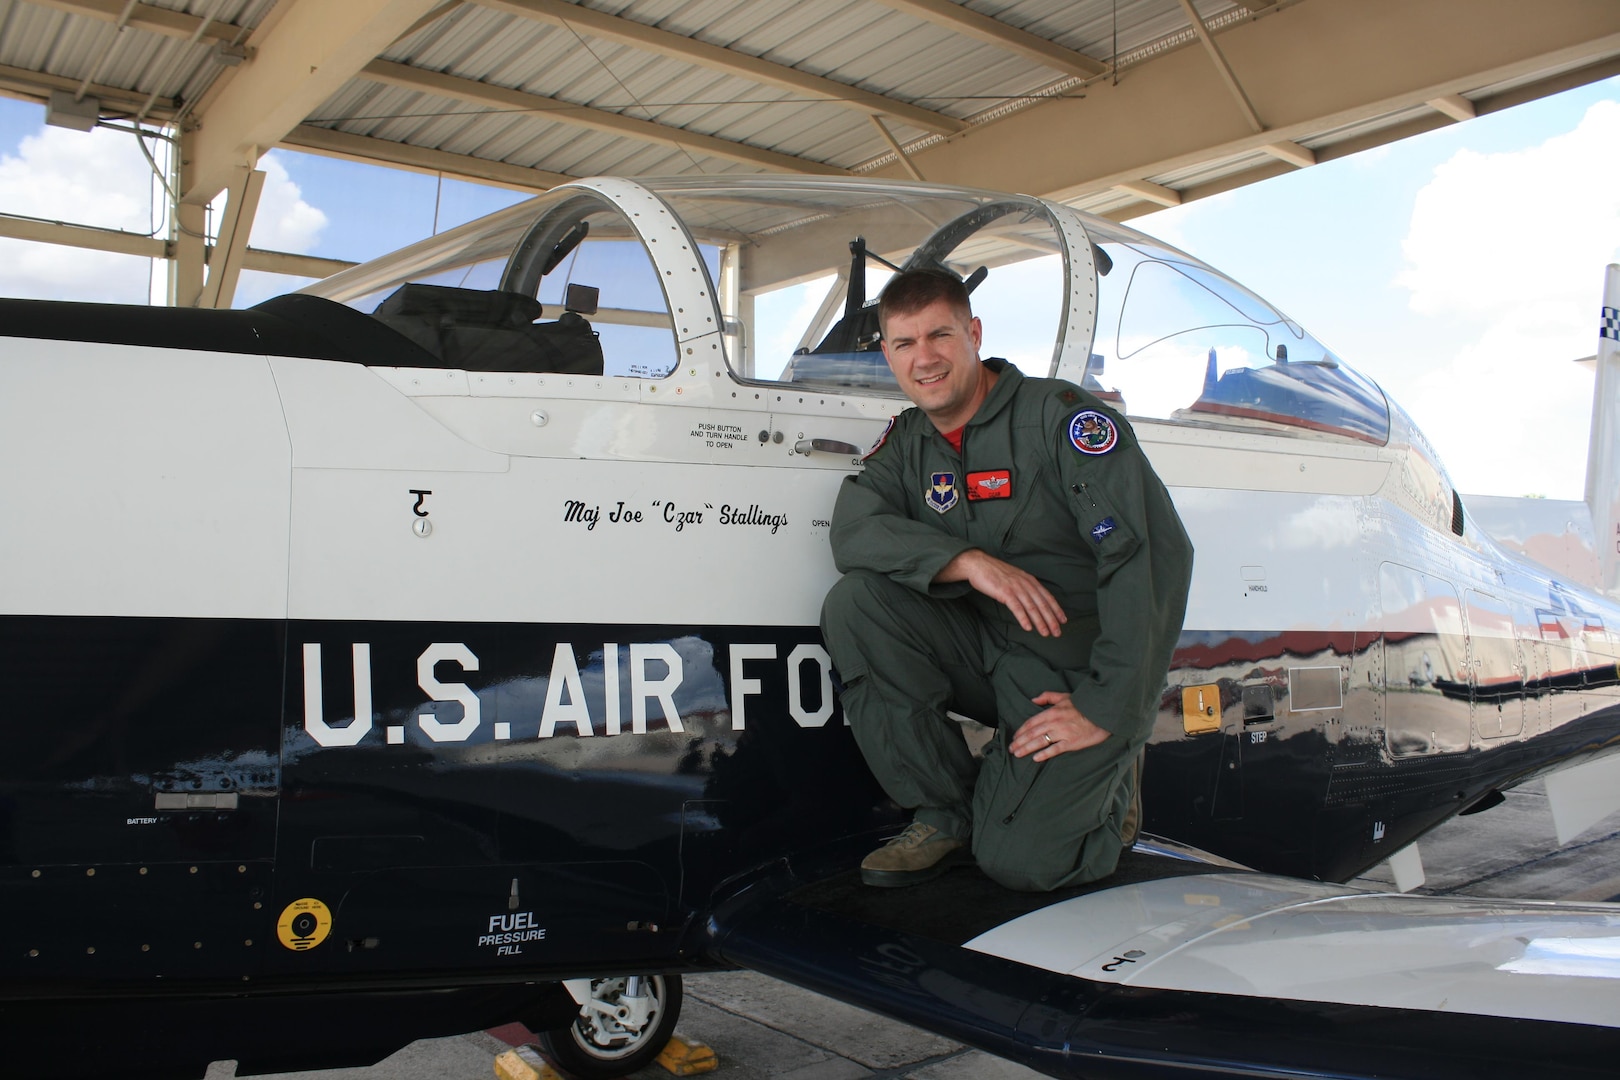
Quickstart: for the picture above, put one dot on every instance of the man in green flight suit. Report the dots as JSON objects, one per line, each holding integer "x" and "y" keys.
{"x": 1008, "y": 554}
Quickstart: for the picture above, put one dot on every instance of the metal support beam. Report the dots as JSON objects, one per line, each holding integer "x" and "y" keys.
{"x": 188, "y": 230}
{"x": 1455, "y": 106}
{"x": 899, "y": 151}
{"x": 641, "y": 36}
{"x": 564, "y": 112}
{"x": 83, "y": 236}
{"x": 1222, "y": 66}
{"x": 1350, "y": 65}
{"x": 119, "y": 242}
{"x": 1291, "y": 152}
{"x": 285, "y": 262}
{"x": 964, "y": 20}
{"x": 37, "y": 86}
{"x": 148, "y": 17}
{"x": 363, "y": 148}
{"x": 444, "y": 8}
{"x": 1148, "y": 191}
{"x": 236, "y": 224}
{"x": 312, "y": 50}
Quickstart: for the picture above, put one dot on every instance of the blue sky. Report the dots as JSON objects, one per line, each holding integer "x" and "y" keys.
{"x": 1460, "y": 269}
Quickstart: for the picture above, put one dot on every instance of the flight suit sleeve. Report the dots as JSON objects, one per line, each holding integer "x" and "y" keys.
{"x": 1144, "y": 568}
{"x": 871, "y": 530}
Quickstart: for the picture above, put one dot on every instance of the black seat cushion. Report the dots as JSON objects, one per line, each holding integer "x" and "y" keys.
{"x": 491, "y": 330}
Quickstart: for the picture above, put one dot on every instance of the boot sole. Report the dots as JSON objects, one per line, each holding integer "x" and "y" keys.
{"x": 895, "y": 879}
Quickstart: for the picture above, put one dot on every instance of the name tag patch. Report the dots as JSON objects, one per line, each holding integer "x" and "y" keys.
{"x": 995, "y": 484}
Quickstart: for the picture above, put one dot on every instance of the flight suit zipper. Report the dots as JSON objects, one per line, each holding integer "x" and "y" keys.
{"x": 1008, "y": 820}
{"x": 1023, "y": 796}
{"x": 1027, "y": 486}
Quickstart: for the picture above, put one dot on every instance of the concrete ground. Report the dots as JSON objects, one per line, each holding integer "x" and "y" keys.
{"x": 763, "y": 1028}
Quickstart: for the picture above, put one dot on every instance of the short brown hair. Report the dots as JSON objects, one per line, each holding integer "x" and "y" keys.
{"x": 913, "y": 290}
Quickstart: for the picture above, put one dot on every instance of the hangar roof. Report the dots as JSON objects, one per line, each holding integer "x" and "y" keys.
{"x": 1116, "y": 106}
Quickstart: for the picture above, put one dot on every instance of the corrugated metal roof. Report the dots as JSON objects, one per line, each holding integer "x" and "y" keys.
{"x": 859, "y": 43}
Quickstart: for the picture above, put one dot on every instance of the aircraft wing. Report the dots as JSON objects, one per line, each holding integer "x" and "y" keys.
{"x": 1177, "y": 967}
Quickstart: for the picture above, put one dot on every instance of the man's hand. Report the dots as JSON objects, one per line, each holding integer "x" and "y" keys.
{"x": 1030, "y": 602}
{"x": 1055, "y": 730}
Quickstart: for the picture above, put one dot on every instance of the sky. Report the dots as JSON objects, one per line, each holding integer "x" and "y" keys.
{"x": 1460, "y": 269}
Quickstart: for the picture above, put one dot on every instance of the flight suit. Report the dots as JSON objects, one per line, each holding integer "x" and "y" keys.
{"x": 1049, "y": 479}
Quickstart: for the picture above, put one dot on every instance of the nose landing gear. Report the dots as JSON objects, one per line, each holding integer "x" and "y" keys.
{"x": 624, "y": 1022}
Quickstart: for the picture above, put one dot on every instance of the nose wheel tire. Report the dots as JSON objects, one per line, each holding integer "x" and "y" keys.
{"x": 622, "y": 1028}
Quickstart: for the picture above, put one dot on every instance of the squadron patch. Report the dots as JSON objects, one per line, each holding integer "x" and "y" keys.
{"x": 1092, "y": 432}
{"x": 883, "y": 438}
{"x": 942, "y": 491}
{"x": 995, "y": 484}
{"x": 1100, "y": 531}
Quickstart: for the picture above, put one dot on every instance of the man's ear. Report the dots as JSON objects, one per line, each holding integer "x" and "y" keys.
{"x": 976, "y": 331}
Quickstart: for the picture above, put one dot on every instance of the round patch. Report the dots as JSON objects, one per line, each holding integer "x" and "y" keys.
{"x": 1093, "y": 432}
{"x": 883, "y": 438}
{"x": 304, "y": 924}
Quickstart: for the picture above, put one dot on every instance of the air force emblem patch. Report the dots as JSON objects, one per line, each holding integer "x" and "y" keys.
{"x": 1100, "y": 531}
{"x": 1093, "y": 432}
{"x": 942, "y": 491}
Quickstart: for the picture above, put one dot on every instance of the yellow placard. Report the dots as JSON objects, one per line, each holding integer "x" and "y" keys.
{"x": 304, "y": 924}
{"x": 1200, "y": 709}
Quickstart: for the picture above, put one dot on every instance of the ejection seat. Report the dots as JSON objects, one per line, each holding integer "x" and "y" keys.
{"x": 491, "y": 330}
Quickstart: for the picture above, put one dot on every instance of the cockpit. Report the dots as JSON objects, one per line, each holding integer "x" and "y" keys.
{"x": 781, "y": 275}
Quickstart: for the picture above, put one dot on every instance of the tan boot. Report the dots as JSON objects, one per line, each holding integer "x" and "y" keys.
{"x": 916, "y": 855}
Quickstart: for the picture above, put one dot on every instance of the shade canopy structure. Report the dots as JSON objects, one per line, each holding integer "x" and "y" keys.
{"x": 1117, "y": 107}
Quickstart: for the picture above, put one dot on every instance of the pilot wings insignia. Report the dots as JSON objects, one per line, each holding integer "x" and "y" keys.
{"x": 996, "y": 484}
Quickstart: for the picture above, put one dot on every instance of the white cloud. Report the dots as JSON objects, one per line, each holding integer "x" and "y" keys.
{"x": 1508, "y": 413}
{"x": 1170, "y": 225}
{"x": 1471, "y": 248}
{"x": 284, "y": 222}
{"x": 90, "y": 178}
{"x": 1510, "y": 247}
{"x": 101, "y": 178}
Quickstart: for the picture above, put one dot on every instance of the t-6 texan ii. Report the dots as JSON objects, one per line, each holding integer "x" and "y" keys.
{"x": 436, "y": 647}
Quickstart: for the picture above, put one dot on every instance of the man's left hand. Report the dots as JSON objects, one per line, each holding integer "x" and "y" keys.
{"x": 1056, "y": 729}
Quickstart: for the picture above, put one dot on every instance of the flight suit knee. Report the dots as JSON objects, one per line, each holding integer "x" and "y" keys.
{"x": 1011, "y": 863}
{"x": 1039, "y": 826}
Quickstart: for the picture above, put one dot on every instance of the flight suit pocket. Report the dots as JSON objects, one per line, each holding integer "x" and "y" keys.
{"x": 1027, "y": 485}
{"x": 1110, "y": 532}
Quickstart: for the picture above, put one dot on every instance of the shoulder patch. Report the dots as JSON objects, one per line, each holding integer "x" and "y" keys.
{"x": 881, "y": 439}
{"x": 1093, "y": 432}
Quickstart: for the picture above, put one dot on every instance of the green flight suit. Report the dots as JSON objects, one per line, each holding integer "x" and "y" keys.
{"x": 1064, "y": 492}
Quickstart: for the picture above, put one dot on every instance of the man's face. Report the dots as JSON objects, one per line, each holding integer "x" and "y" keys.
{"x": 934, "y": 354}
